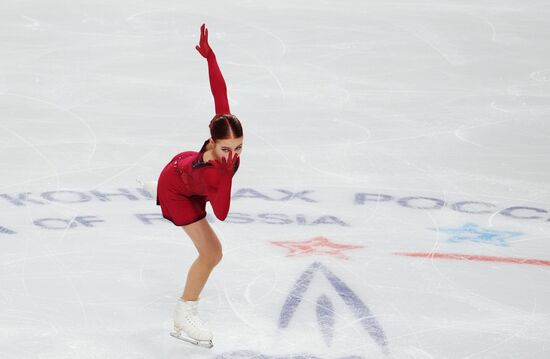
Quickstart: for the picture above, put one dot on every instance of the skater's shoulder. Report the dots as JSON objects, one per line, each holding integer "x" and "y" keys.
{"x": 184, "y": 154}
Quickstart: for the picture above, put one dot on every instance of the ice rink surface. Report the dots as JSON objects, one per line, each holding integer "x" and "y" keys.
{"x": 393, "y": 197}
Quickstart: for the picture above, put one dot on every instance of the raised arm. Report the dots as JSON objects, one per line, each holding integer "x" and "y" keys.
{"x": 217, "y": 83}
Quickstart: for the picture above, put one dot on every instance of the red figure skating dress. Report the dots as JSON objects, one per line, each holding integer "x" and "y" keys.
{"x": 187, "y": 182}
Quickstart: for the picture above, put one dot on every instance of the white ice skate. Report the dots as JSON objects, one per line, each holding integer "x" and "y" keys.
{"x": 188, "y": 326}
{"x": 150, "y": 187}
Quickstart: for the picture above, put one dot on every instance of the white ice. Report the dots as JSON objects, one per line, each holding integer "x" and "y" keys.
{"x": 397, "y": 127}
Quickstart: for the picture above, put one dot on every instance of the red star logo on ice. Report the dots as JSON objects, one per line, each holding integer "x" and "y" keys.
{"x": 316, "y": 245}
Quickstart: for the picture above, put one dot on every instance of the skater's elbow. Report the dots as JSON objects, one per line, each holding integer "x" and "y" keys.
{"x": 221, "y": 217}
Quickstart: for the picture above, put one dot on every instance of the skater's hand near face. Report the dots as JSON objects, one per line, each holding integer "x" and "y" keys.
{"x": 218, "y": 180}
{"x": 226, "y": 166}
{"x": 203, "y": 47}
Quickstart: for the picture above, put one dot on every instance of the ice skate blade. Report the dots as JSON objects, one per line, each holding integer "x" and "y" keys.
{"x": 200, "y": 343}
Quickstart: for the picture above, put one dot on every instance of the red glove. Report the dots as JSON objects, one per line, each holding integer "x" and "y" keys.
{"x": 217, "y": 83}
{"x": 226, "y": 165}
{"x": 218, "y": 184}
{"x": 203, "y": 48}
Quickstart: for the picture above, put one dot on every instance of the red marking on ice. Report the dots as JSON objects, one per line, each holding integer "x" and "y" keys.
{"x": 317, "y": 245}
{"x": 471, "y": 257}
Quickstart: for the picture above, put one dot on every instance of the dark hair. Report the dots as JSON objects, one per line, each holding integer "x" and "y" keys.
{"x": 225, "y": 126}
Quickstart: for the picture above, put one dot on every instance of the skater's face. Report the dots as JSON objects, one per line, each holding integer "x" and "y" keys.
{"x": 223, "y": 147}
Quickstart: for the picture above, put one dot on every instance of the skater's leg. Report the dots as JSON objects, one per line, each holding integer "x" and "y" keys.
{"x": 187, "y": 324}
{"x": 210, "y": 254}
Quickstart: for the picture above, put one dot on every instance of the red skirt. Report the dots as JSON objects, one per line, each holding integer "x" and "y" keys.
{"x": 178, "y": 207}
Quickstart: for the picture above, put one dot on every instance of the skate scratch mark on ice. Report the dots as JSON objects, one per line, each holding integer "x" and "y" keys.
{"x": 269, "y": 71}
{"x": 247, "y": 290}
{"x": 281, "y": 41}
{"x": 494, "y": 35}
{"x": 94, "y": 143}
{"x": 461, "y": 137}
{"x": 142, "y": 267}
{"x": 38, "y": 179}
{"x": 413, "y": 33}
{"x": 367, "y": 133}
{"x": 436, "y": 244}
{"x": 487, "y": 22}
{"x": 384, "y": 153}
{"x": 490, "y": 123}
{"x": 128, "y": 168}
{"x": 261, "y": 267}
{"x": 33, "y": 22}
{"x": 237, "y": 313}
{"x": 527, "y": 320}
{"x": 79, "y": 118}
{"x": 56, "y": 275}
{"x": 497, "y": 108}
{"x": 432, "y": 134}
{"x": 282, "y": 158}
{"x": 52, "y": 50}
{"x": 63, "y": 234}
{"x": 540, "y": 75}
{"x": 457, "y": 132}
{"x": 304, "y": 160}
{"x": 16, "y": 261}
{"x": 249, "y": 354}
{"x": 335, "y": 80}
{"x": 135, "y": 15}
{"x": 30, "y": 144}
{"x": 245, "y": 245}
{"x": 492, "y": 216}
{"x": 336, "y": 173}
{"x": 69, "y": 274}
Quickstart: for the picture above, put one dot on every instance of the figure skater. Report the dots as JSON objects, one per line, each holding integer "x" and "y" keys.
{"x": 184, "y": 186}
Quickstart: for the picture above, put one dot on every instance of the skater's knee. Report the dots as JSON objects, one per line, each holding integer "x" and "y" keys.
{"x": 212, "y": 259}
{"x": 218, "y": 257}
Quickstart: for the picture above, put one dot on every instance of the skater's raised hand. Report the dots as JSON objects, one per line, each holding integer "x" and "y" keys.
{"x": 203, "y": 47}
{"x": 226, "y": 166}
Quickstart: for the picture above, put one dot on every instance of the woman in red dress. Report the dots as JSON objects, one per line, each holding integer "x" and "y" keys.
{"x": 184, "y": 186}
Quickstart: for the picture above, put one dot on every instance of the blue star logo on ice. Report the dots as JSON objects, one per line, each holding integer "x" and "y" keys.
{"x": 472, "y": 232}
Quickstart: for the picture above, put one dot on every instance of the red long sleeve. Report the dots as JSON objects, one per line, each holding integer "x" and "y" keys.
{"x": 218, "y": 189}
{"x": 217, "y": 85}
